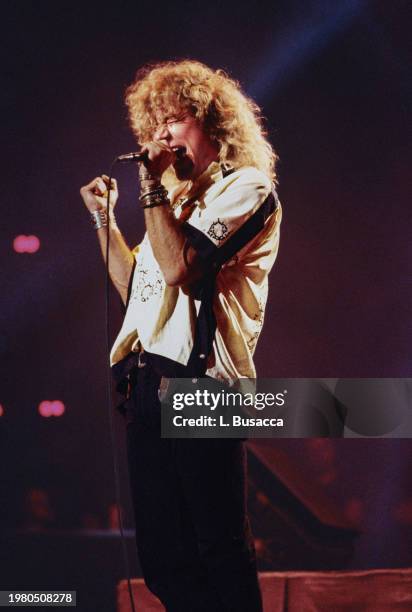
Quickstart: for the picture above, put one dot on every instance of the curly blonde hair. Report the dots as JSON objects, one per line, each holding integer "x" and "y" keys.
{"x": 228, "y": 116}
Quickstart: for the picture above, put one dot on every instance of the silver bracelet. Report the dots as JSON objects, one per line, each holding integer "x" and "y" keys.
{"x": 99, "y": 219}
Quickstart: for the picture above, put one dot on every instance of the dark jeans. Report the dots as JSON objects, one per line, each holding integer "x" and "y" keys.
{"x": 189, "y": 495}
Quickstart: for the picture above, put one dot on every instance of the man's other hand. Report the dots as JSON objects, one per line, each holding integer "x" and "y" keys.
{"x": 94, "y": 194}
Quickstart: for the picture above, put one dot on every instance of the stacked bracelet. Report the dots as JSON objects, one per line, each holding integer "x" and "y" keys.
{"x": 154, "y": 197}
{"x": 152, "y": 192}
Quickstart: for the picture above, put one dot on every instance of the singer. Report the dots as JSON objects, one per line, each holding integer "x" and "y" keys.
{"x": 195, "y": 290}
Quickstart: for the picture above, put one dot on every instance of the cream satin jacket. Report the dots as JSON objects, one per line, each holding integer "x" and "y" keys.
{"x": 161, "y": 319}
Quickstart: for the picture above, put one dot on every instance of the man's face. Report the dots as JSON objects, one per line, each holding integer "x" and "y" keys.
{"x": 194, "y": 149}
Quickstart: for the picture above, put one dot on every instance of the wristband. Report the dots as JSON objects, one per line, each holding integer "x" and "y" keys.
{"x": 99, "y": 219}
{"x": 155, "y": 199}
{"x": 153, "y": 194}
{"x": 159, "y": 191}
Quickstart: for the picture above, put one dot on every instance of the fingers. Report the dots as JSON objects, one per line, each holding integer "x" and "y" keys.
{"x": 155, "y": 149}
{"x": 162, "y": 145}
{"x": 159, "y": 158}
{"x": 98, "y": 186}
{"x": 95, "y": 193}
{"x": 113, "y": 182}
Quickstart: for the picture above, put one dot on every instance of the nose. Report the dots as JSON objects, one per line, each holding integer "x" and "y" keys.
{"x": 162, "y": 133}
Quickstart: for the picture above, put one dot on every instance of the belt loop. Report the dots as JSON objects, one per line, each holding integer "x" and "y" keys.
{"x": 140, "y": 363}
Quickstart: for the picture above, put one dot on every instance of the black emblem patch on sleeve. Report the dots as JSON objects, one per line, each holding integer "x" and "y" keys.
{"x": 218, "y": 230}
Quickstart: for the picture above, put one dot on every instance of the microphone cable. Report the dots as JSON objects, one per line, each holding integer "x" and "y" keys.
{"x": 115, "y": 461}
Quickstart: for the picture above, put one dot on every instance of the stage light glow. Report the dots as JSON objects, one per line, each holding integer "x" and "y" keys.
{"x": 58, "y": 408}
{"x": 26, "y": 244}
{"x": 49, "y": 408}
{"x": 294, "y": 47}
{"x": 1, "y": 410}
{"x": 45, "y": 409}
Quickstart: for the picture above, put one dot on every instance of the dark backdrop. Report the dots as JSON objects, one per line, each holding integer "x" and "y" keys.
{"x": 331, "y": 79}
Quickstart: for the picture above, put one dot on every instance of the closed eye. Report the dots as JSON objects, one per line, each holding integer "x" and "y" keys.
{"x": 176, "y": 119}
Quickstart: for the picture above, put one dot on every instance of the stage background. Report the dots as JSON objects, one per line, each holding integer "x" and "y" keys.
{"x": 331, "y": 78}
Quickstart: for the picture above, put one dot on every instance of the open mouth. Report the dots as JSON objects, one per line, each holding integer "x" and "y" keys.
{"x": 180, "y": 152}
{"x": 183, "y": 164}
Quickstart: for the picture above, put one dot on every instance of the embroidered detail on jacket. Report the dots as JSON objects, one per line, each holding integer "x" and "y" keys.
{"x": 149, "y": 283}
{"x": 218, "y": 230}
{"x": 258, "y": 319}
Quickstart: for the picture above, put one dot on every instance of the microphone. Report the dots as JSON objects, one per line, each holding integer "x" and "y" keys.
{"x": 130, "y": 158}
